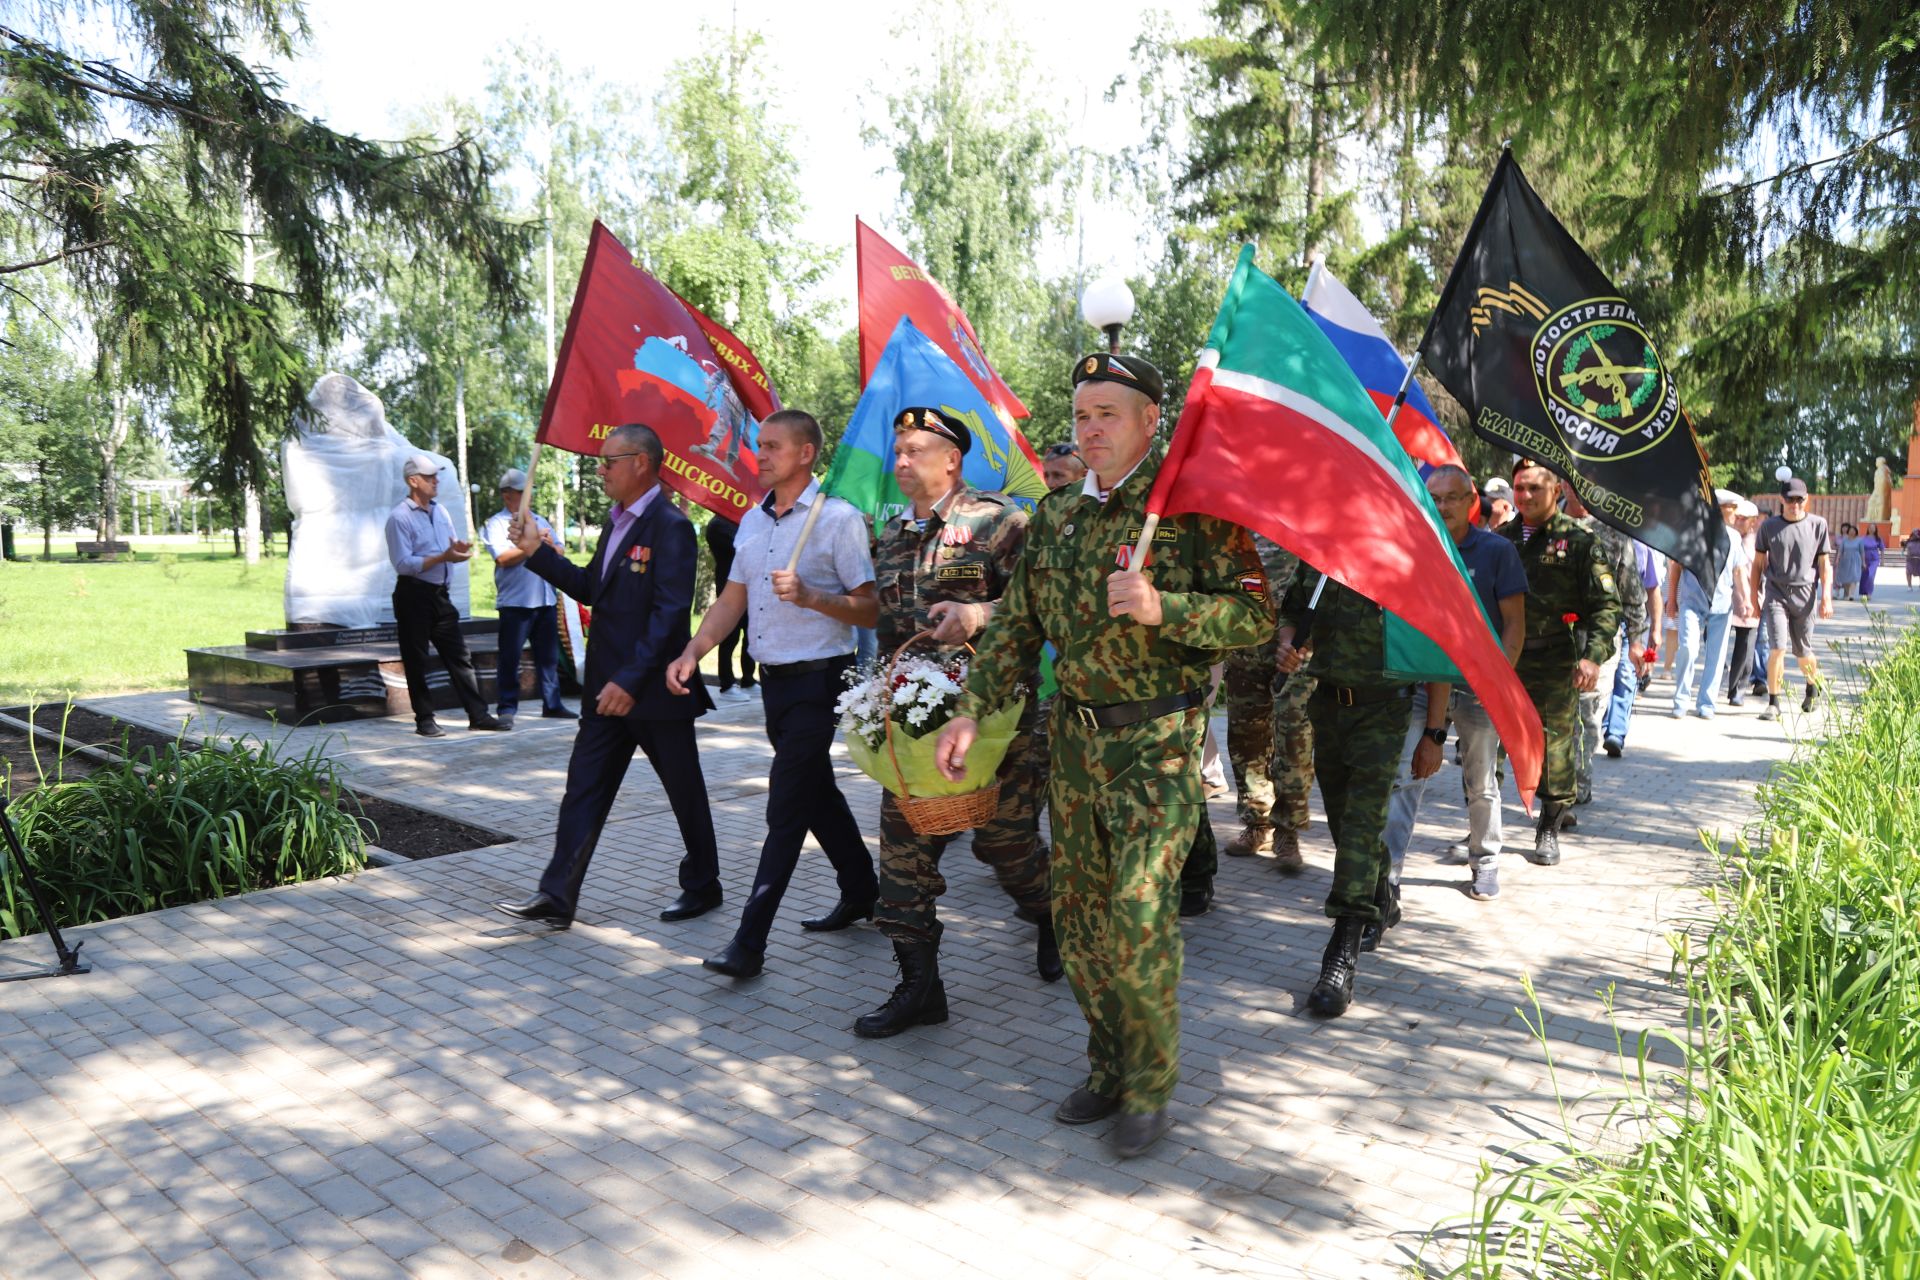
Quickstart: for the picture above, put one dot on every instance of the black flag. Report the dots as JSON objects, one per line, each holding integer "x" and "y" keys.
{"x": 1552, "y": 363}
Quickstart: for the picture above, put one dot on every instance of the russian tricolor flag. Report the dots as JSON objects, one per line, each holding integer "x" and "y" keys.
{"x": 1363, "y": 344}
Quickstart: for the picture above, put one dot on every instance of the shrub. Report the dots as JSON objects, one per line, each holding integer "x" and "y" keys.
{"x": 1787, "y": 1144}
{"x": 170, "y": 826}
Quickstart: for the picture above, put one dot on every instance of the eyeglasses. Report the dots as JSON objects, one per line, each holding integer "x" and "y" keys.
{"x": 1795, "y": 497}
{"x": 1062, "y": 450}
{"x": 1453, "y": 497}
{"x": 607, "y": 458}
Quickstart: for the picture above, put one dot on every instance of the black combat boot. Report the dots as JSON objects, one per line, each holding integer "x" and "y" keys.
{"x": 1387, "y": 898}
{"x": 1334, "y": 992}
{"x": 1546, "y": 836}
{"x": 919, "y": 1000}
{"x": 1046, "y": 954}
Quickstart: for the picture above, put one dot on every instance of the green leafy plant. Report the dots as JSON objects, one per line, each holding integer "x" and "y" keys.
{"x": 168, "y": 826}
{"x": 1786, "y": 1140}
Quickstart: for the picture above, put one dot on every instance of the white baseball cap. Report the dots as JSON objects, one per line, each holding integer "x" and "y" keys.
{"x": 420, "y": 464}
{"x": 513, "y": 478}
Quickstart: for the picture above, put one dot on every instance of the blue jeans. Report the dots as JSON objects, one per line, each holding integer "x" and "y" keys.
{"x": 1626, "y": 687}
{"x": 866, "y": 647}
{"x": 518, "y": 624}
{"x": 1696, "y": 627}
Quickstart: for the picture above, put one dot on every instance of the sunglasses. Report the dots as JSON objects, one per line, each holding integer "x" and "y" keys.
{"x": 1062, "y": 450}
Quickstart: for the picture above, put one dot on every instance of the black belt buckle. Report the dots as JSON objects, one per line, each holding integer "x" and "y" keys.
{"x": 1342, "y": 696}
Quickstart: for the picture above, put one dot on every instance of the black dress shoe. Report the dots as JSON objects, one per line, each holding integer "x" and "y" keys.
{"x": 542, "y": 907}
{"x": 559, "y": 713}
{"x": 736, "y": 961}
{"x": 429, "y": 729}
{"x": 689, "y": 905}
{"x": 1197, "y": 901}
{"x": 844, "y": 913}
{"x": 1135, "y": 1133}
{"x": 1084, "y": 1106}
{"x": 487, "y": 723}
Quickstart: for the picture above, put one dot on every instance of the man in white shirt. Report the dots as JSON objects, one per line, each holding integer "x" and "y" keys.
{"x": 800, "y": 628}
{"x": 525, "y": 603}
{"x": 420, "y": 546}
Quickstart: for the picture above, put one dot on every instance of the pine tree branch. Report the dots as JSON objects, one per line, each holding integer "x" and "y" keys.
{"x": 7, "y": 269}
{"x": 1810, "y": 165}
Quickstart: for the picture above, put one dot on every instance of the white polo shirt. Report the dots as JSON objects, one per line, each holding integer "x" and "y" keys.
{"x": 836, "y": 561}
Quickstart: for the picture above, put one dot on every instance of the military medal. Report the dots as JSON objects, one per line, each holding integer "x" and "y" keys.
{"x": 638, "y": 558}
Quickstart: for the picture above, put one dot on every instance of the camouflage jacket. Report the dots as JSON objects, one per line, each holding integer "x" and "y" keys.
{"x": 1281, "y": 565}
{"x": 1618, "y": 548}
{"x": 966, "y": 553}
{"x": 1348, "y": 637}
{"x": 1568, "y": 576}
{"x": 1214, "y": 596}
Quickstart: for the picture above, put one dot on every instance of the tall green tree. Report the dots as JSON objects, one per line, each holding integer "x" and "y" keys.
{"x": 131, "y": 180}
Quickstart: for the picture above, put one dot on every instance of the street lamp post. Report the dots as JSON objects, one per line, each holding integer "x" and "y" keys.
{"x": 1107, "y": 305}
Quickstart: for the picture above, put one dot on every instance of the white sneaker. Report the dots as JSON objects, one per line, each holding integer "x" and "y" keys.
{"x": 1678, "y": 713}
{"x": 1705, "y": 713}
{"x": 1455, "y": 854}
{"x": 1486, "y": 882}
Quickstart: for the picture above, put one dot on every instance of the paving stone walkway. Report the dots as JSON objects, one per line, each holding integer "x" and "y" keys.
{"x": 378, "y": 1076}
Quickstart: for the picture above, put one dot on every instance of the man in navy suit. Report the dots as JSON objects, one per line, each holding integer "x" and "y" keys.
{"x": 640, "y": 586}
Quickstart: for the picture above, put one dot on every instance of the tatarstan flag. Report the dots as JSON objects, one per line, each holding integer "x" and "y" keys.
{"x": 1280, "y": 437}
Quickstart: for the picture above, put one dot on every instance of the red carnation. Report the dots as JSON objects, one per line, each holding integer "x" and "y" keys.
{"x": 1569, "y": 618}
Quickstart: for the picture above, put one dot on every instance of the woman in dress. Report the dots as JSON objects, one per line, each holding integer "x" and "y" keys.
{"x": 1872, "y": 547}
{"x": 1913, "y": 557}
{"x": 1846, "y": 574}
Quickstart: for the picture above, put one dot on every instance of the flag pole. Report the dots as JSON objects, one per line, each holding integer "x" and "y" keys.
{"x": 1406, "y": 385}
{"x": 526, "y": 499}
{"x": 806, "y": 531}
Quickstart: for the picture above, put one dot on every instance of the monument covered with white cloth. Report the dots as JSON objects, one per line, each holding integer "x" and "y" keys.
{"x": 337, "y": 658}
{"x": 341, "y": 468}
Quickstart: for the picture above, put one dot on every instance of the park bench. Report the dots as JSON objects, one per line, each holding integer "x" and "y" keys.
{"x": 107, "y": 549}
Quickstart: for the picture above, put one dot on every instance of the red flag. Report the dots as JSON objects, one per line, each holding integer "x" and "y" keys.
{"x": 634, "y": 352}
{"x": 749, "y": 379}
{"x": 893, "y": 285}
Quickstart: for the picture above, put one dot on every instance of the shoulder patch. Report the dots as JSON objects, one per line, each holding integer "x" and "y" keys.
{"x": 1606, "y": 582}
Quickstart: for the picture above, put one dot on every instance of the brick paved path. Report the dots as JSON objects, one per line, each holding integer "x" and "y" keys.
{"x": 379, "y": 1076}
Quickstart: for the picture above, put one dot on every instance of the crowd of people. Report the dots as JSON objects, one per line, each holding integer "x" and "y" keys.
{"x": 1139, "y": 654}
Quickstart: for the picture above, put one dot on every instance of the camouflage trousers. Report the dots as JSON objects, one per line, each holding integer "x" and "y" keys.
{"x": 1127, "y": 803}
{"x": 1547, "y": 675}
{"x": 1269, "y": 740}
{"x": 1593, "y": 716}
{"x": 1356, "y": 754}
{"x": 910, "y": 879}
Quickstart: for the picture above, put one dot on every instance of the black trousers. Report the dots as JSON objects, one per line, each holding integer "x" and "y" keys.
{"x": 425, "y": 615}
{"x": 1740, "y": 665}
{"x": 722, "y": 566}
{"x": 602, "y": 750}
{"x": 803, "y": 796}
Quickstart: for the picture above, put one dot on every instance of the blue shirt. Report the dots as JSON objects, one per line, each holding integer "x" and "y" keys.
{"x": 413, "y": 534}
{"x": 515, "y": 586}
{"x": 1493, "y": 563}
{"x": 1694, "y": 599}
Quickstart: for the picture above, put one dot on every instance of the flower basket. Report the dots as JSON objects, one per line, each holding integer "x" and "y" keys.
{"x": 893, "y": 722}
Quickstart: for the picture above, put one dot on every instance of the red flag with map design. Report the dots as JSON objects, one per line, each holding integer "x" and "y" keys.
{"x": 634, "y": 352}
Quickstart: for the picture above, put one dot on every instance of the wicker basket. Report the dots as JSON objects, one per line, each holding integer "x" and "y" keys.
{"x": 937, "y": 815}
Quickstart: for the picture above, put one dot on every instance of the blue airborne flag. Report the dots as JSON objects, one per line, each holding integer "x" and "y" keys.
{"x": 913, "y": 370}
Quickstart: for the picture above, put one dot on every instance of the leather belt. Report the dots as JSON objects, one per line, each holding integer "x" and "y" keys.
{"x": 1120, "y": 714}
{"x": 803, "y": 668}
{"x": 1343, "y": 696}
{"x": 1536, "y": 643}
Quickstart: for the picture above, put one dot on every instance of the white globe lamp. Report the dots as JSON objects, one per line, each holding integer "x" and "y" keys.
{"x": 1783, "y": 474}
{"x": 1107, "y": 304}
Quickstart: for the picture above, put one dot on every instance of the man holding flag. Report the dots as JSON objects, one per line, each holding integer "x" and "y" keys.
{"x": 1135, "y": 638}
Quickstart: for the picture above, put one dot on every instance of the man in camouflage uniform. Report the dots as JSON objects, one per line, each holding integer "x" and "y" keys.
{"x": 1573, "y": 613}
{"x": 1359, "y": 719}
{"x": 1269, "y": 742}
{"x": 1641, "y": 627}
{"x": 1135, "y": 645}
{"x": 939, "y": 567}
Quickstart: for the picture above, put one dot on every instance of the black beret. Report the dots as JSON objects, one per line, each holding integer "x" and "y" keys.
{"x": 923, "y": 419}
{"x": 1128, "y": 371}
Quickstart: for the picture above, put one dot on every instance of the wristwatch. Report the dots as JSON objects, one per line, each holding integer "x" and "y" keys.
{"x": 1438, "y": 737}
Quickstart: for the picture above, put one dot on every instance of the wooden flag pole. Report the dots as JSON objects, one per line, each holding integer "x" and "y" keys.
{"x": 806, "y": 531}
{"x": 526, "y": 498}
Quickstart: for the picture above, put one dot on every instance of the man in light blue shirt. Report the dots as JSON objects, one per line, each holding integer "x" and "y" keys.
{"x": 1704, "y": 618}
{"x": 421, "y": 546}
{"x": 526, "y": 604}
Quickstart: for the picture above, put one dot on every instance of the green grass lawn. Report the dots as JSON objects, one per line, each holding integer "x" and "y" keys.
{"x": 84, "y": 629}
